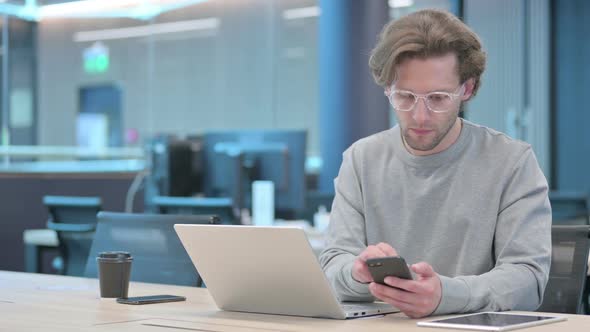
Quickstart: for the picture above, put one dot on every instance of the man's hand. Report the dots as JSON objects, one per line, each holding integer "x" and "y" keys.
{"x": 360, "y": 271}
{"x": 415, "y": 298}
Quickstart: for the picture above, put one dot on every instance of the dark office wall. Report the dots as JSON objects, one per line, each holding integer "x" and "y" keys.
{"x": 256, "y": 70}
{"x": 571, "y": 118}
{"x": 22, "y": 204}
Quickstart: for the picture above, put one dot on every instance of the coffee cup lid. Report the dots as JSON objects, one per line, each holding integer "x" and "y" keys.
{"x": 114, "y": 255}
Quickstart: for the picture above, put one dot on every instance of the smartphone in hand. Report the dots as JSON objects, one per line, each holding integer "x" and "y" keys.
{"x": 151, "y": 299}
{"x": 388, "y": 266}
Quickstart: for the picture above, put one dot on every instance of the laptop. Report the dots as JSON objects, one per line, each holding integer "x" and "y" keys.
{"x": 270, "y": 270}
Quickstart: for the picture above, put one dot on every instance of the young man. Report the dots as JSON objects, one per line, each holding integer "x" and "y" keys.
{"x": 465, "y": 204}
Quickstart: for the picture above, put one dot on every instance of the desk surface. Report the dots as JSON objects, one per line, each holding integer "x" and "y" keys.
{"x": 56, "y": 303}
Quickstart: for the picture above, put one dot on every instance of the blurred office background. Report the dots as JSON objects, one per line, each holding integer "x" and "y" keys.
{"x": 136, "y": 101}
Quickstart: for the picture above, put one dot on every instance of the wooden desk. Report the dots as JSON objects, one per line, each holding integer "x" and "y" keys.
{"x": 57, "y": 303}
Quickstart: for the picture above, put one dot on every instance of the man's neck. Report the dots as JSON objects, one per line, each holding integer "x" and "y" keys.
{"x": 446, "y": 143}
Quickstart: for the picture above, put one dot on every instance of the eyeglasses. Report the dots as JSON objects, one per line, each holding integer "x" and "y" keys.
{"x": 437, "y": 102}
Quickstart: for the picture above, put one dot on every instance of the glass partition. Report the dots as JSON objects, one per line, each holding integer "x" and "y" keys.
{"x": 114, "y": 74}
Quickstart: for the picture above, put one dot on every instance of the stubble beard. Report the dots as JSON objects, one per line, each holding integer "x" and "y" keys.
{"x": 428, "y": 145}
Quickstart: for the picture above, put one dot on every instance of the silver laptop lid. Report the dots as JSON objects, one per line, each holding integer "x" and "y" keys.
{"x": 260, "y": 269}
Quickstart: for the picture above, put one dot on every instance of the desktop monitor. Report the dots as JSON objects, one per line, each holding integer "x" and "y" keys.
{"x": 234, "y": 159}
{"x": 221, "y": 207}
{"x": 175, "y": 167}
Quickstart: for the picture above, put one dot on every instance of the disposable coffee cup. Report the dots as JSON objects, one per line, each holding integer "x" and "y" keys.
{"x": 114, "y": 271}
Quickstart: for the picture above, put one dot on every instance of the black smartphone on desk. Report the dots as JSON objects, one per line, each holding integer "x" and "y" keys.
{"x": 394, "y": 266}
{"x": 151, "y": 299}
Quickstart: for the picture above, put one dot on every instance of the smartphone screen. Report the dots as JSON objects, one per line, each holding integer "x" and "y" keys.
{"x": 388, "y": 266}
{"x": 151, "y": 299}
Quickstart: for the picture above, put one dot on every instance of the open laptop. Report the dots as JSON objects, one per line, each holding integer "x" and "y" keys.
{"x": 270, "y": 270}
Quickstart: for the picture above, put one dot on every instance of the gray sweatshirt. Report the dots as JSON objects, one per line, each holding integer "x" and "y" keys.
{"x": 478, "y": 212}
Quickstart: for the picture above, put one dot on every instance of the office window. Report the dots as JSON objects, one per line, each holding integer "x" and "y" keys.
{"x": 223, "y": 64}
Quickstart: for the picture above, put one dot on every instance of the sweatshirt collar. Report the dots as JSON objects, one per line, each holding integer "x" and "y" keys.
{"x": 433, "y": 160}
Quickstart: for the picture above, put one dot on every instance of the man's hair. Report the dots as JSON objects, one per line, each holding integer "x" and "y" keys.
{"x": 424, "y": 34}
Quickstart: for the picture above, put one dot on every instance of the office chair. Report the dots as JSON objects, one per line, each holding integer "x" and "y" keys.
{"x": 569, "y": 265}
{"x": 570, "y": 208}
{"x": 158, "y": 255}
{"x": 221, "y": 207}
{"x": 74, "y": 220}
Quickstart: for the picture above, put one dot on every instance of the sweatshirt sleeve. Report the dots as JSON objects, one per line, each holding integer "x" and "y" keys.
{"x": 522, "y": 250}
{"x": 346, "y": 235}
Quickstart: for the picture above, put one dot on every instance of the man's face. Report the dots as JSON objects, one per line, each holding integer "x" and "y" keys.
{"x": 426, "y": 132}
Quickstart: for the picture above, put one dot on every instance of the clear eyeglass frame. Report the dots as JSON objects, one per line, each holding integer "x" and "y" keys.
{"x": 426, "y": 97}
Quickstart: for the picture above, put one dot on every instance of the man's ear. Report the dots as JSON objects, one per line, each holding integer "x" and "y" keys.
{"x": 469, "y": 86}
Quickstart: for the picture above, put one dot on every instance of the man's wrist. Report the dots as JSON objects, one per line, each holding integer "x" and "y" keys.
{"x": 353, "y": 284}
{"x": 354, "y": 278}
{"x": 454, "y": 296}
{"x": 439, "y": 296}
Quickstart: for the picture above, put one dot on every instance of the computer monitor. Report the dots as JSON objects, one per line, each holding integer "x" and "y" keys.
{"x": 221, "y": 207}
{"x": 175, "y": 167}
{"x": 234, "y": 159}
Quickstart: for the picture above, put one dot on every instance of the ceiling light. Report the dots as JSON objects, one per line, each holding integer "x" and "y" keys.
{"x": 400, "y": 3}
{"x": 303, "y": 12}
{"x": 84, "y": 7}
{"x": 147, "y": 30}
{"x": 108, "y": 8}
